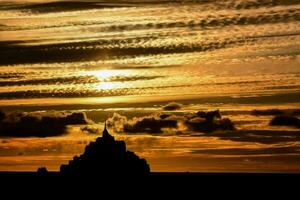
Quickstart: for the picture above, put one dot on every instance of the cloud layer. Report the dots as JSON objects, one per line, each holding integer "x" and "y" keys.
{"x": 204, "y": 122}
{"x": 38, "y": 124}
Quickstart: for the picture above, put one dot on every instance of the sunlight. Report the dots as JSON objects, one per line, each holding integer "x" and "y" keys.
{"x": 108, "y": 79}
{"x": 105, "y": 75}
{"x": 105, "y": 86}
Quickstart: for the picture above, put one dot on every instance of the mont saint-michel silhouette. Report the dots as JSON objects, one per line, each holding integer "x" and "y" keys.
{"x": 106, "y": 157}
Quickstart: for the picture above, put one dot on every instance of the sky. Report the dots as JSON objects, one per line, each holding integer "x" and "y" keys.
{"x": 131, "y": 62}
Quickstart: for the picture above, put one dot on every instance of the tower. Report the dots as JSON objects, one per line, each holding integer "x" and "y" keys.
{"x": 105, "y": 133}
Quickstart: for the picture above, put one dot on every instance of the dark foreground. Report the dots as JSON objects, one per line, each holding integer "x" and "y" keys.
{"x": 159, "y": 178}
{"x": 153, "y": 186}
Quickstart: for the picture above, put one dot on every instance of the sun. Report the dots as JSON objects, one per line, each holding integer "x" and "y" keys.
{"x": 106, "y": 86}
{"x": 108, "y": 79}
{"x": 105, "y": 75}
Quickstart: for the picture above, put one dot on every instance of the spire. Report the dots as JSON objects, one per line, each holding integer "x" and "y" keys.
{"x": 105, "y": 133}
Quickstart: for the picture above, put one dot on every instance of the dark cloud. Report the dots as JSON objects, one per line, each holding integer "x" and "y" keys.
{"x": 172, "y": 106}
{"x": 261, "y": 136}
{"x": 48, "y": 81}
{"x": 70, "y": 80}
{"x": 150, "y": 124}
{"x": 213, "y": 4}
{"x": 9, "y": 75}
{"x": 49, "y": 7}
{"x": 208, "y": 122}
{"x": 17, "y": 53}
{"x": 287, "y": 117}
{"x": 38, "y": 124}
{"x": 206, "y": 22}
{"x": 205, "y": 122}
{"x": 202, "y": 125}
{"x": 28, "y": 94}
{"x": 291, "y": 112}
{"x": 267, "y": 112}
{"x": 216, "y": 20}
{"x": 147, "y": 124}
{"x": 285, "y": 120}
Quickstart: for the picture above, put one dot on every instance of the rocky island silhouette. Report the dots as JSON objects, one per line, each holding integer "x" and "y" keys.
{"x": 104, "y": 157}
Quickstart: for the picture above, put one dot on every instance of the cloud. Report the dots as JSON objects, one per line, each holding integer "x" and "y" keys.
{"x": 90, "y": 129}
{"x": 172, "y": 106}
{"x": 39, "y": 124}
{"x": 50, "y": 7}
{"x": 9, "y": 75}
{"x": 282, "y": 117}
{"x": 285, "y": 120}
{"x": 291, "y": 112}
{"x": 206, "y": 126}
{"x": 147, "y": 124}
{"x": 69, "y": 80}
{"x": 262, "y": 136}
{"x": 205, "y": 122}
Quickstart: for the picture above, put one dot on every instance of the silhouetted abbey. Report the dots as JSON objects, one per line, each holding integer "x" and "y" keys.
{"x": 106, "y": 157}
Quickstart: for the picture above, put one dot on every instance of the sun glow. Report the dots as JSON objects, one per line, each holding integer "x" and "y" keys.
{"x": 108, "y": 79}
{"x": 105, "y": 86}
{"x": 106, "y": 75}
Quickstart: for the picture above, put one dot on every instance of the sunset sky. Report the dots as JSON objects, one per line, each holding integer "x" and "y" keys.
{"x": 127, "y": 62}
